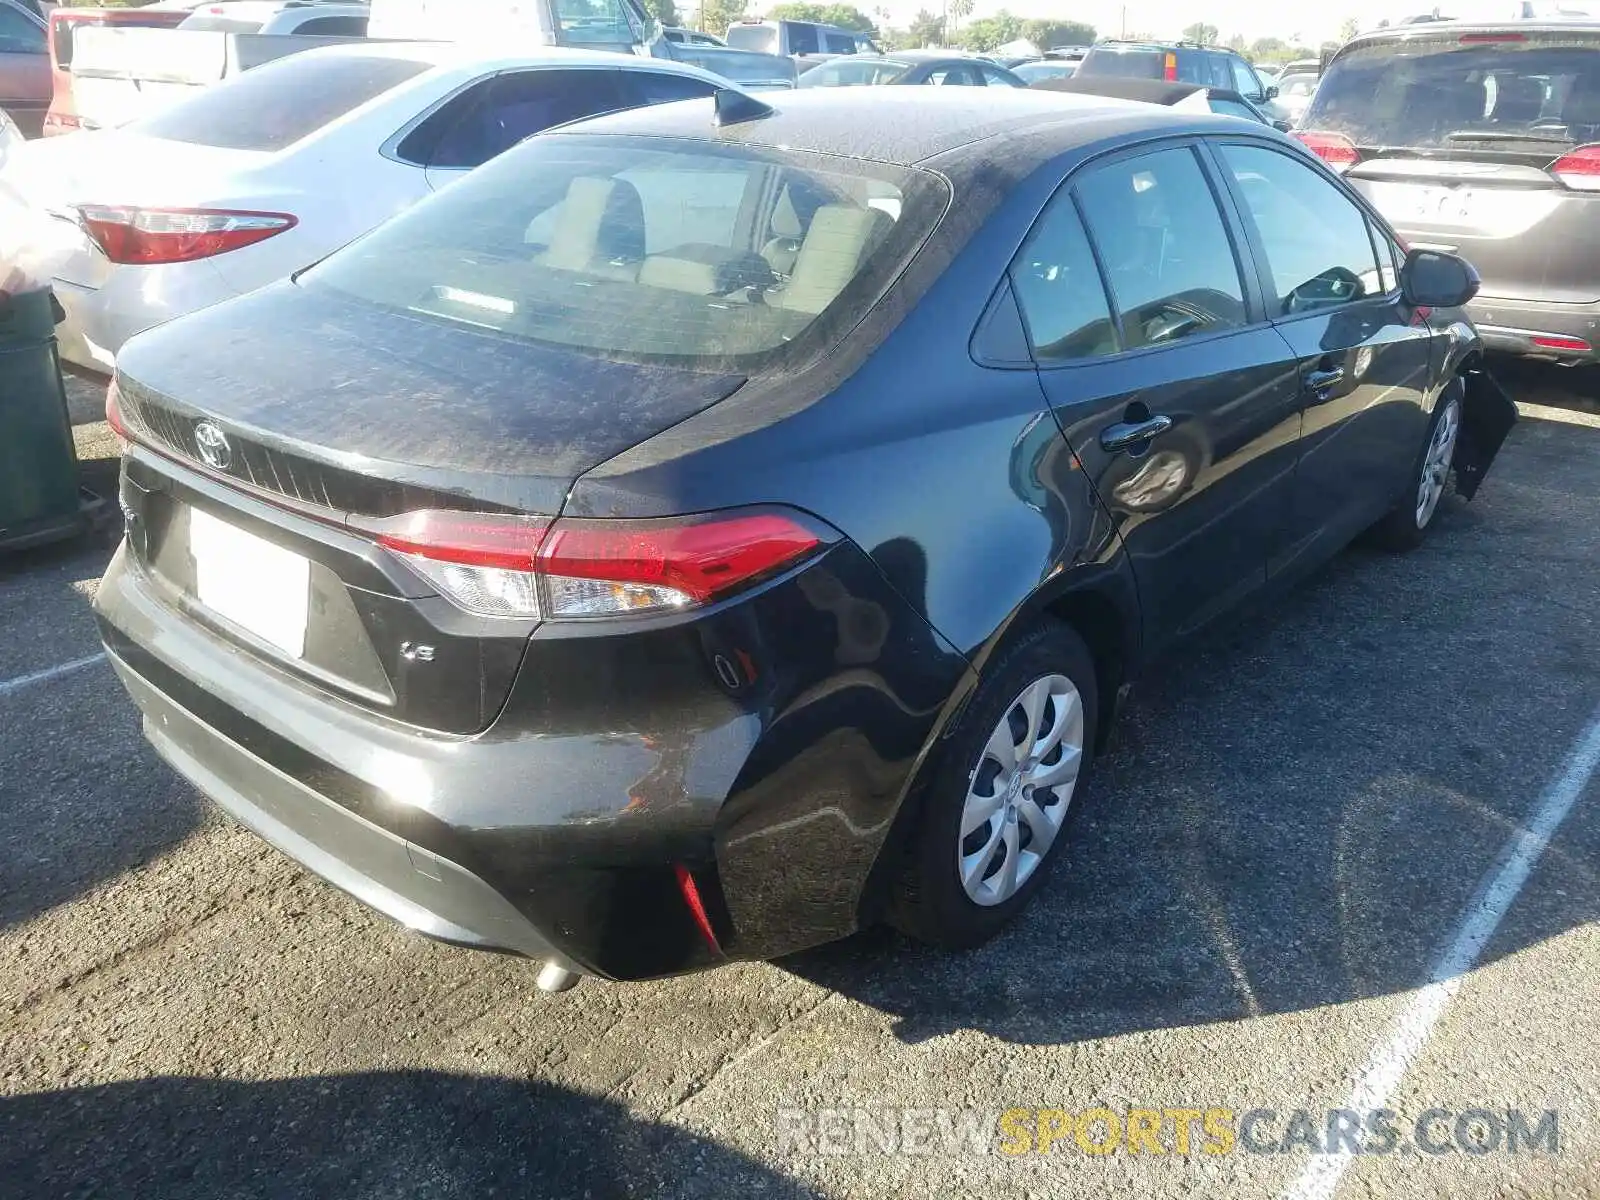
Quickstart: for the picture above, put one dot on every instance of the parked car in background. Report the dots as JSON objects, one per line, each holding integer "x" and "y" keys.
{"x": 122, "y": 71}
{"x": 914, "y": 67}
{"x": 1303, "y": 66}
{"x": 1186, "y": 96}
{"x": 798, "y": 39}
{"x": 1483, "y": 140}
{"x": 64, "y": 26}
{"x": 1295, "y": 90}
{"x": 24, "y": 67}
{"x": 1268, "y": 72}
{"x": 1183, "y": 62}
{"x": 257, "y": 177}
{"x": 688, "y": 539}
{"x": 690, "y": 37}
{"x": 1044, "y": 68}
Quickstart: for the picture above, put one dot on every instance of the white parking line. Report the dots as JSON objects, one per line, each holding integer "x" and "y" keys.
{"x": 1412, "y": 1028}
{"x": 21, "y": 681}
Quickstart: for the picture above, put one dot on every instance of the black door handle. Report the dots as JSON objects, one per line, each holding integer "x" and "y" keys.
{"x": 1321, "y": 381}
{"x": 1128, "y": 434}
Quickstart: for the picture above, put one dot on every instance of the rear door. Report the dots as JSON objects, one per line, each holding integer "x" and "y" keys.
{"x": 25, "y": 82}
{"x": 1365, "y": 356}
{"x": 1455, "y": 137}
{"x": 1176, "y": 395}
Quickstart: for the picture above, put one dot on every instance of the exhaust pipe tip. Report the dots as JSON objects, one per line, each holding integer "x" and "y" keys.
{"x": 557, "y": 976}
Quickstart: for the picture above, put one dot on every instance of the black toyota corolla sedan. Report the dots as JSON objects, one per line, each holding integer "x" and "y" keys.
{"x": 708, "y": 530}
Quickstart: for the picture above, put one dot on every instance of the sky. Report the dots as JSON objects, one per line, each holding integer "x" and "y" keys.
{"x": 1307, "y": 23}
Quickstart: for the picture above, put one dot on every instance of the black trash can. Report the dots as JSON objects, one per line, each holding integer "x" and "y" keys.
{"x": 39, "y": 496}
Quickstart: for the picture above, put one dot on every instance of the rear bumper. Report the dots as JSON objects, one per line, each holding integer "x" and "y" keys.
{"x": 421, "y": 890}
{"x": 1513, "y": 327}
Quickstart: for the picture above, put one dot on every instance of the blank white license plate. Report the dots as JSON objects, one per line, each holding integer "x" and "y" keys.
{"x": 262, "y": 588}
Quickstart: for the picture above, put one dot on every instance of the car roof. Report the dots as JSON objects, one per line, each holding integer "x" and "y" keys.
{"x": 905, "y": 125}
{"x": 1425, "y": 30}
{"x": 1150, "y": 91}
{"x": 473, "y": 59}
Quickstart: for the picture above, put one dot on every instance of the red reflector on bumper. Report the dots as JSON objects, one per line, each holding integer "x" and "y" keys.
{"x": 1548, "y": 341}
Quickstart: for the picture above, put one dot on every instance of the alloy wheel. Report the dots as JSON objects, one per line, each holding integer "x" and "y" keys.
{"x": 1018, "y": 794}
{"x": 1436, "y": 463}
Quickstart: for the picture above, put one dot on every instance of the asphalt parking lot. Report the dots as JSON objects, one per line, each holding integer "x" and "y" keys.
{"x": 1298, "y": 819}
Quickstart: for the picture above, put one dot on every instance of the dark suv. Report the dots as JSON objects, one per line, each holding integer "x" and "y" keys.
{"x": 1482, "y": 140}
{"x": 1183, "y": 62}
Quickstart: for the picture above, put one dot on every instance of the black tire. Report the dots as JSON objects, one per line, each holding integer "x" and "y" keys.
{"x": 1400, "y": 531}
{"x": 931, "y": 903}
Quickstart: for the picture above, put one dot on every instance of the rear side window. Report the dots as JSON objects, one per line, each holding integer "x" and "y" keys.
{"x": 1316, "y": 238}
{"x": 1232, "y": 108}
{"x": 1529, "y": 91}
{"x": 838, "y": 43}
{"x": 491, "y": 117}
{"x": 1245, "y": 81}
{"x": 333, "y": 27}
{"x": 1059, "y": 290}
{"x": 803, "y": 39}
{"x": 279, "y": 103}
{"x": 662, "y": 87}
{"x": 1168, "y": 259}
{"x": 851, "y": 74}
{"x": 18, "y": 35}
{"x": 753, "y": 37}
{"x": 658, "y": 250}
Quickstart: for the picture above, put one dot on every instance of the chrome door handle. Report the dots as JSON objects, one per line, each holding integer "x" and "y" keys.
{"x": 1128, "y": 434}
{"x": 1321, "y": 381}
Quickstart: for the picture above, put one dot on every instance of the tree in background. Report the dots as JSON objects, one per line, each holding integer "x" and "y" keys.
{"x": 926, "y": 29}
{"x": 1349, "y": 29}
{"x": 1047, "y": 34}
{"x": 1201, "y": 32}
{"x": 717, "y": 15}
{"x": 989, "y": 33}
{"x": 664, "y": 11}
{"x": 956, "y": 11}
{"x": 846, "y": 16}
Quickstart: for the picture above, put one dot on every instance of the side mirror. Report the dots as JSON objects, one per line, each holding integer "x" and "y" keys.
{"x": 1433, "y": 279}
{"x": 1272, "y": 91}
{"x": 1283, "y": 126}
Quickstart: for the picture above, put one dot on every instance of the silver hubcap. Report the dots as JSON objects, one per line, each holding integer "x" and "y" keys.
{"x": 1018, "y": 794}
{"x": 1436, "y": 463}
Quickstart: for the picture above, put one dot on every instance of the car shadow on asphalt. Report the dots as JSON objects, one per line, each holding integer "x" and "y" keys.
{"x": 399, "y": 1133}
{"x": 1298, "y": 808}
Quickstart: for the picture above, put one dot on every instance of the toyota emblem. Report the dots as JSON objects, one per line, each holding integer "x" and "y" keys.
{"x": 213, "y": 446}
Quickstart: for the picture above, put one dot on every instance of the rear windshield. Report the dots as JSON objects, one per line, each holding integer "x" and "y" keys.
{"x": 853, "y": 73}
{"x": 1127, "y": 64}
{"x": 1451, "y": 91}
{"x": 221, "y": 24}
{"x": 753, "y": 37}
{"x": 279, "y": 103}
{"x": 651, "y": 250}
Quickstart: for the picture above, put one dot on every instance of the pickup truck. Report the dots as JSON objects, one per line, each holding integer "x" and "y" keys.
{"x": 121, "y": 74}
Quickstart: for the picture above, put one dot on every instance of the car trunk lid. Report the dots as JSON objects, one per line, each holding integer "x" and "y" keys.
{"x": 309, "y": 417}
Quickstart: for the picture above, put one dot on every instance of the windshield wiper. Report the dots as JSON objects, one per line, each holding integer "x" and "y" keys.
{"x": 1502, "y": 135}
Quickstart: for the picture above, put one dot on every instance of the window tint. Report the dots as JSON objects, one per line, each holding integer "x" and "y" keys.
{"x": 753, "y": 37}
{"x": 1166, "y": 251}
{"x": 803, "y": 39}
{"x": 18, "y": 35}
{"x": 1194, "y": 66}
{"x": 995, "y": 77}
{"x": 957, "y": 75}
{"x": 1245, "y": 81}
{"x": 279, "y": 103}
{"x": 333, "y": 27}
{"x": 674, "y": 35}
{"x": 490, "y": 118}
{"x": 594, "y": 22}
{"x": 1315, "y": 237}
{"x": 662, "y": 87}
{"x": 839, "y": 43}
{"x": 1059, "y": 290}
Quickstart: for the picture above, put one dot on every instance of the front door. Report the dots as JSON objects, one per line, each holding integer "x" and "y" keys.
{"x": 1176, "y": 395}
{"x": 1363, "y": 353}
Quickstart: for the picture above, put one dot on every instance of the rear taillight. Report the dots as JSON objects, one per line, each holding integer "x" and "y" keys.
{"x": 1579, "y": 169}
{"x": 1338, "y": 151}
{"x": 114, "y": 417}
{"x": 525, "y": 567}
{"x": 153, "y": 236}
{"x": 1169, "y": 68}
